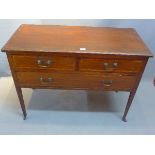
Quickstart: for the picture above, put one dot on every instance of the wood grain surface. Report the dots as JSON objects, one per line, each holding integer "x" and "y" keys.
{"x": 76, "y": 80}
{"x": 21, "y": 62}
{"x": 69, "y": 39}
{"x": 73, "y": 57}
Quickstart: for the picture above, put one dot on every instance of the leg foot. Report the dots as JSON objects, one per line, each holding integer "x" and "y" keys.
{"x": 24, "y": 116}
{"x": 124, "y": 119}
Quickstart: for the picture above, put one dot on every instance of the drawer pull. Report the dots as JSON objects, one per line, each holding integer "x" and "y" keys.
{"x": 45, "y": 80}
{"x": 107, "y": 83}
{"x": 115, "y": 65}
{"x": 108, "y": 66}
{"x": 42, "y": 63}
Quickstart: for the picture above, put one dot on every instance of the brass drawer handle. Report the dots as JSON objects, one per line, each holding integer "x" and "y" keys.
{"x": 44, "y": 64}
{"x": 107, "y": 83}
{"x": 106, "y": 65}
{"x": 45, "y": 80}
{"x": 115, "y": 64}
{"x": 110, "y": 66}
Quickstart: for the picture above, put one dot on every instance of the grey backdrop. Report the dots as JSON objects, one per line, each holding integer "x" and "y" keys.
{"x": 146, "y": 29}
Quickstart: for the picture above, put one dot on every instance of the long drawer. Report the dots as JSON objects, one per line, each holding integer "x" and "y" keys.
{"x": 23, "y": 62}
{"x": 77, "y": 80}
{"x": 110, "y": 65}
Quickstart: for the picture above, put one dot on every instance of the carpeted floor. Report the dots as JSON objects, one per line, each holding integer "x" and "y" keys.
{"x": 76, "y": 112}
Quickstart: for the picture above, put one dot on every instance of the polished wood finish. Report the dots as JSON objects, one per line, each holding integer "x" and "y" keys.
{"x": 77, "y": 80}
{"x": 108, "y": 65}
{"x": 69, "y": 39}
{"x": 21, "y": 62}
{"x": 72, "y": 57}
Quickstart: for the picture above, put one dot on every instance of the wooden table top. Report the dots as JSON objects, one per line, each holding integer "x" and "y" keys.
{"x": 76, "y": 39}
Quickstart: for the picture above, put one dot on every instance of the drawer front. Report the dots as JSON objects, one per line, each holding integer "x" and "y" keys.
{"x": 118, "y": 82}
{"x": 43, "y": 62}
{"x": 110, "y": 65}
{"x": 76, "y": 81}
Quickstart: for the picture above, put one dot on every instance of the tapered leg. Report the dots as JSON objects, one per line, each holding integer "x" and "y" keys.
{"x": 21, "y": 100}
{"x": 130, "y": 99}
{"x": 17, "y": 86}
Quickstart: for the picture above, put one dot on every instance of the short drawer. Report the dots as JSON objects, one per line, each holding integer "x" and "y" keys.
{"x": 110, "y": 65}
{"x": 21, "y": 62}
{"x": 77, "y": 80}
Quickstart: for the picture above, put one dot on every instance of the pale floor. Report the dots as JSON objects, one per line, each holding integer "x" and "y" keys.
{"x": 76, "y": 112}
